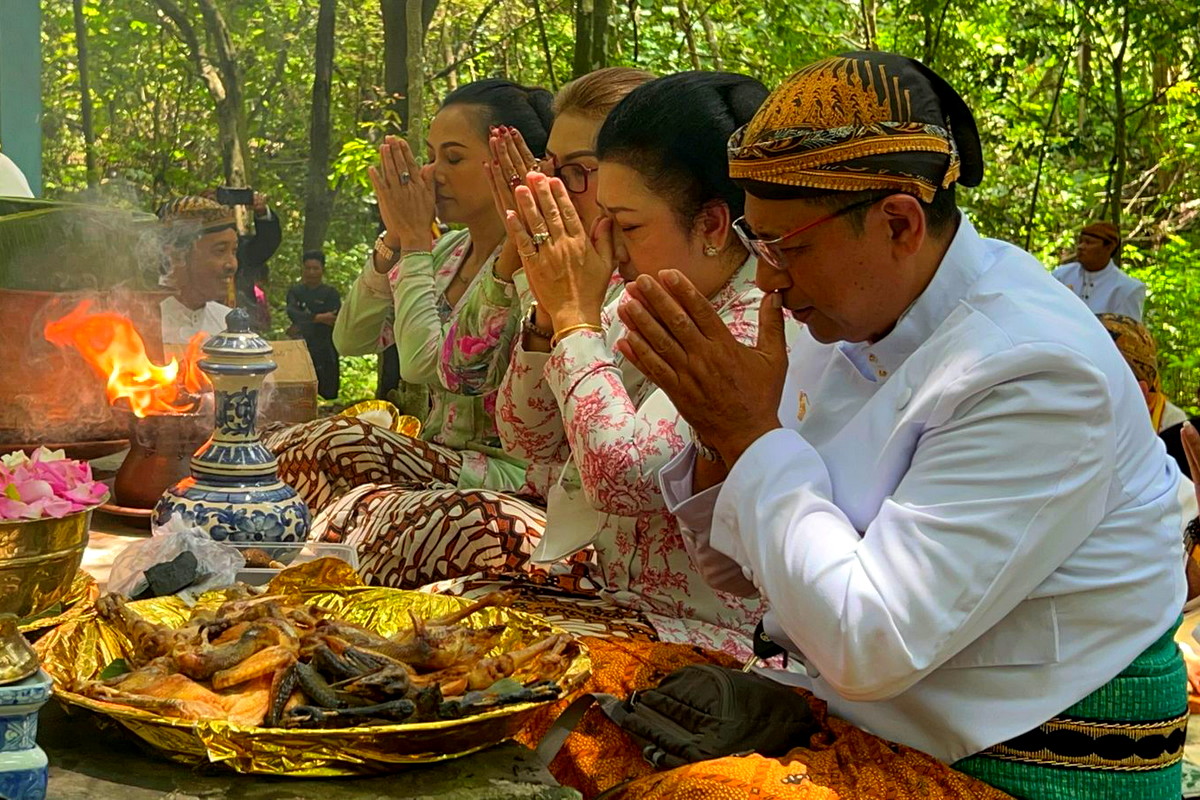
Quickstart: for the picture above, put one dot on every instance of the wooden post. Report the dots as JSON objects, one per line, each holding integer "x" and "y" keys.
{"x": 21, "y": 87}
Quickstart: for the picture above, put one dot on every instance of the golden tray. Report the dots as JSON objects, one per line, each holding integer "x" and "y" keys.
{"x": 80, "y": 648}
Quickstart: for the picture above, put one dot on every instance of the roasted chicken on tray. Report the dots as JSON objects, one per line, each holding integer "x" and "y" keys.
{"x": 265, "y": 661}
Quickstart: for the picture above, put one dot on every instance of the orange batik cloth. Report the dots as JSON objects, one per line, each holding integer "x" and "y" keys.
{"x": 840, "y": 762}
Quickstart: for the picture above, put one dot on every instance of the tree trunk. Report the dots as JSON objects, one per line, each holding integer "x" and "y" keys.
{"x": 395, "y": 57}
{"x": 416, "y": 76}
{"x": 637, "y": 38}
{"x": 685, "y": 23}
{"x": 1085, "y": 77}
{"x": 318, "y": 198}
{"x": 231, "y": 110}
{"x": 583, "y": 37}
{"x": 448, "y": 54}
{"x": 1119, "y": 127}
{"x": 1163, "y": 78}
{"x": 220, "y": 76}
{"x": 601, "y": 10}
{"x": 591, "y": 35}
{"x": 89, "y": 132}
{"x": 869, "y": 29}
{"x": 714, "y": 47}
{"x": 545, "y": 41}
{"x": 1051, "y": 121}
{"x": 933, "y": 33}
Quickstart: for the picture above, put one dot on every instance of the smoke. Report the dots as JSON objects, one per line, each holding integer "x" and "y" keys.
{"x": 52, "y": 256}
{"x": 58, "y": 247}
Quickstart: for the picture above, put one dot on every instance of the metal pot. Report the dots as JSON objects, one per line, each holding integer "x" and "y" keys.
{"x": 38, "y": 561}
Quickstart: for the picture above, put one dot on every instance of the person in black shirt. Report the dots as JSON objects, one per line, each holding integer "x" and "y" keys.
{"x": 313, "y": 306}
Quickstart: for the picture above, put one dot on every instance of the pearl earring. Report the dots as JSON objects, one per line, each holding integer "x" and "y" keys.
{"x": 710, "y": 250}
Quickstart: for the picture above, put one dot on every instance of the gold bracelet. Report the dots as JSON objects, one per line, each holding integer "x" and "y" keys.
{"x": 567, "y": 331}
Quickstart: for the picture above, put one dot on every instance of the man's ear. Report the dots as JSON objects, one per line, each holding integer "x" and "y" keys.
{"x": 905, "y": 218}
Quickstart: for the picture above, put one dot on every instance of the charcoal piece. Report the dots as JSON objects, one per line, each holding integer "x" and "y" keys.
{"x": 171, "y": 576}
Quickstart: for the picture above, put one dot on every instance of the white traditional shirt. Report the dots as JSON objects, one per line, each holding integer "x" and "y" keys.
{"x": 1108, "y": 290}
{"x": 180, "y": 323}
{"x": 964, "y": 528}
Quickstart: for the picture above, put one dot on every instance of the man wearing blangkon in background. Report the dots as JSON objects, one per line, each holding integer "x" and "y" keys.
{"x": 200, "y": 250}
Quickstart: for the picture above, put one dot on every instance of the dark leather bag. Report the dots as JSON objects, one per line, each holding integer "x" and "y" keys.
{"x": 699, "y": 712}
{"x": 704, "y": 711}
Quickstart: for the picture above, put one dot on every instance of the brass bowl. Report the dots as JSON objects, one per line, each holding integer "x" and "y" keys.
{"x": 38, "y": 561}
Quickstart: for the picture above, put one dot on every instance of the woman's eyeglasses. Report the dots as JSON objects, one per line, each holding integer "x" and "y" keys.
{"x": 771, "y": 250}
{"x": 573, "y": 176}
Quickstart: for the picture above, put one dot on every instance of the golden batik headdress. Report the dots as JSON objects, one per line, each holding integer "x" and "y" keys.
{"x": 860, "y": 121}
{"x": 196, "y": 214}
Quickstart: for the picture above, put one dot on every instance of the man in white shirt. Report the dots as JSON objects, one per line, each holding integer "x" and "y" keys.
{"x": 1096, "y": 280}
{"x": 201, "y": 252}
{"x": 946, "y": 492}
{"x": 12, "y": 181}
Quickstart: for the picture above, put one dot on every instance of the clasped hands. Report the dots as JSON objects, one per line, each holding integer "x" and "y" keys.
{"x": 405, "y": 193}
{"x": 568, "y": 269}
{"x": 727, "y": 391}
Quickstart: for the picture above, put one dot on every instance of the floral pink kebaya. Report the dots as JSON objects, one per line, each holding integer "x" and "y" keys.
{"x": 46, "y": 484}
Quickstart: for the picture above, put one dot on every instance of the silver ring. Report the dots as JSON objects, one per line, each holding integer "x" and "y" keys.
{"x": 540, "y": 239}
{"x": 405, "y": 178}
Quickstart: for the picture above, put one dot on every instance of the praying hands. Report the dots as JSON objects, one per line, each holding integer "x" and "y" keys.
{"x": 728, "y": 392}
{"x": 405, "y": 193}
{"x": 568, "y": 271}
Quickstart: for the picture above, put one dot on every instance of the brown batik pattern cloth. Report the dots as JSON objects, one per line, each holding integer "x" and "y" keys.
{"x": 394, "y": 498}
{"x": 323, "y": 460}
{"x": 407, "y": 536}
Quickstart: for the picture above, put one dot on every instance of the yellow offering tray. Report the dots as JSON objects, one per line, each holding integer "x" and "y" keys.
{"x": 79, "y": 649}
{"x": 376, "y": 411}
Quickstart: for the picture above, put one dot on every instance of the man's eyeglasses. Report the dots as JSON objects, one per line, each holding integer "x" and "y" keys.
{"x": 771, "y": 250}
{"x": 573, "y": 176}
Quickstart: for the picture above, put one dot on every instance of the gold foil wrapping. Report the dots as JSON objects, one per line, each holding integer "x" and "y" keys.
{"x": 80, "y": 648}
{"x": 373, "y": 410}
{"x": 83, "y": 591}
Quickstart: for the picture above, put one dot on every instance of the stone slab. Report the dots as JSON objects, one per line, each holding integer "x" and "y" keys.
{"x": 89, "y": 764}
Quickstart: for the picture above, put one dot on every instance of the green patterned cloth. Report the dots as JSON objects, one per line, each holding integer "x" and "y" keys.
{"x": 1122, "y": 742}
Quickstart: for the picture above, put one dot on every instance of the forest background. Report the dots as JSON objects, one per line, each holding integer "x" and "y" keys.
{"x": 1087, "y": 110}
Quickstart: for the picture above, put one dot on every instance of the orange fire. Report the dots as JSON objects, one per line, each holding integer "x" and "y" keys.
{"x": 113, "y": 347}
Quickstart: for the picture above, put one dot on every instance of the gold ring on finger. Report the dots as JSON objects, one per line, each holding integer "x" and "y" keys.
{"x": 515, "y": 180}
{"x": 541, "y": 237}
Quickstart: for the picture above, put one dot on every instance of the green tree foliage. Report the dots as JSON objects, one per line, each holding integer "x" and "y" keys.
{"x": 1088, "y": 111}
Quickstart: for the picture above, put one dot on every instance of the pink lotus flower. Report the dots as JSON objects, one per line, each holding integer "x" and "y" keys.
{"x": 46, "y": 484}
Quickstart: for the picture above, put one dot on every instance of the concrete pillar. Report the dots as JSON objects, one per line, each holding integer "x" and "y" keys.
{"x": 21, "y": 87}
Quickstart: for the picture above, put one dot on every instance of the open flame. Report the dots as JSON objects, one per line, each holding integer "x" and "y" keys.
{"x": 112, "y": 346}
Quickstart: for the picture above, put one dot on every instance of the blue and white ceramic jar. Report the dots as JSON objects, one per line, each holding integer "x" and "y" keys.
{"x": 23, "y": 765}
{"x": 234, "y": 492}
